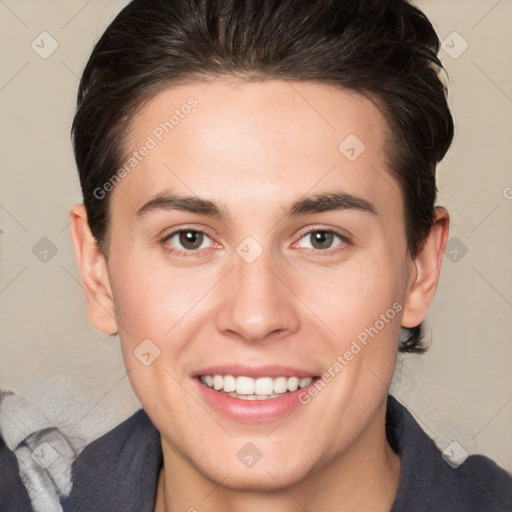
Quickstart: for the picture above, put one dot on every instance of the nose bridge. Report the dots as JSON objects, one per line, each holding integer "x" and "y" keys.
{"x": 257, "y": 303}
{"x": 255, "y": 282}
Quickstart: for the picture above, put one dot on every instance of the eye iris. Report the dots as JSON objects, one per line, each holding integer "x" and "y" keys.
{"x": 191, "y": 239}
{"x": 321, "y": 239}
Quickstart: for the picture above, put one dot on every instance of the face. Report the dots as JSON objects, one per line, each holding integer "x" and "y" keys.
{"x": 259, "y": 245}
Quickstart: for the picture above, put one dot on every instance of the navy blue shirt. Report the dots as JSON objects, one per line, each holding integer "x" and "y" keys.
{"x": 118, "y": 472}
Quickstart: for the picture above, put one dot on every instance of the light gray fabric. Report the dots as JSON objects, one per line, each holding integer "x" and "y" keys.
{"x": 43, "y": 453}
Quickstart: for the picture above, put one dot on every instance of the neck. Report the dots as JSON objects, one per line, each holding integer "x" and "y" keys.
{"x": 363, "y": 477}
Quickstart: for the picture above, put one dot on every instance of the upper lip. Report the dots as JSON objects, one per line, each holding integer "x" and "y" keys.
{"x": 237, "y": 370}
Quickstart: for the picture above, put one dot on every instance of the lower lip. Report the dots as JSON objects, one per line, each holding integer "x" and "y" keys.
{"x": 252, "y": 411}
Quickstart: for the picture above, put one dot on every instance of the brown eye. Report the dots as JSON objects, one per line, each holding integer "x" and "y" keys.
{"x": 321, "y": 239}
{"x": 191, "y": 239}
{"x": 188, "y": 240}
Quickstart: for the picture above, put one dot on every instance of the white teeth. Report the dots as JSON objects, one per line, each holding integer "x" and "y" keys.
{"x": 218, "y": 382}
{"x": 306, "y": 381}
{"x": 229, "y": 383}
{"x": 248, "y": 388}
{"x": 253, "y": 397}
{"x": 244, "y": 385}
{"x": 293, "y": 383}
{"x": 280, "y": 385}
{"x": 264, "y": 386}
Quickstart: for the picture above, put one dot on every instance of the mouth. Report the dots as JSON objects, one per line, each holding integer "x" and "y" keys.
{"x": 244, "y": 387}
{"x": 253, "y": 394}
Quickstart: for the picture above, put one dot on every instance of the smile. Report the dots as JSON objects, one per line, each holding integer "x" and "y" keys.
{"x": 248, "y": 388}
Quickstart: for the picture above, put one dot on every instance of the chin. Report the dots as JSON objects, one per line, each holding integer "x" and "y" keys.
{"x": 264, "y": 479}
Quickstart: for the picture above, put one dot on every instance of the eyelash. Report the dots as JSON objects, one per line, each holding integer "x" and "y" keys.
{"x": 182, "y": 252}
{"x": 344, "y": 241}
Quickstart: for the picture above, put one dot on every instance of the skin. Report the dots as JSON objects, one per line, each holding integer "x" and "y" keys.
{"x": 254, "y": 148}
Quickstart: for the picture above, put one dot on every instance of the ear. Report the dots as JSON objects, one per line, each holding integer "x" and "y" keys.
{"x": 93, "y": 269}
{"x": 427, "y": 268}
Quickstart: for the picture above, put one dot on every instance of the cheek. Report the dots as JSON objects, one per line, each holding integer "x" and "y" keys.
{"x": 353, "y": 297}
{"x": 150, "y": 299}
{"x": 151, "y": 306}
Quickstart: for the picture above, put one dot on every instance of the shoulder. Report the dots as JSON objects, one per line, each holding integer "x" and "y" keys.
{"x": 13, "y": 495}
{"x": 120, "y": 469}
{"x": 131, "y": 442}
{"x": 428, "y": 482}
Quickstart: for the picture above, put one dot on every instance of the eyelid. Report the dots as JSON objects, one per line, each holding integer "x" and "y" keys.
{"x": 201, "y": 229}
{"x": 183, "y": 252}
{"x": 345, "y": 238}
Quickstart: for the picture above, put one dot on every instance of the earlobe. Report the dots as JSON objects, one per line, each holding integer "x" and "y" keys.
{"x": 427, "y": 271}
{"x": 93, "y": 270}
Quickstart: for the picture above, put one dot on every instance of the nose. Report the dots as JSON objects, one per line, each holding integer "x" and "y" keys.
{"x": 257, "y": 304}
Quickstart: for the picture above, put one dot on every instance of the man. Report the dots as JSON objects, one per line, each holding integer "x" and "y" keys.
{"x": 259, "y": 227}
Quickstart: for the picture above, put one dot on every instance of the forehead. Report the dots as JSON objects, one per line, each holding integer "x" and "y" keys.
{"x": 247, "y": 142}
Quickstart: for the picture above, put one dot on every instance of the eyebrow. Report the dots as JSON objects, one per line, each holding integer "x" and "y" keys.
{"x": 325, "y": 202}
{"x": 193, "y": 204}
{"x": 330, "y": 201}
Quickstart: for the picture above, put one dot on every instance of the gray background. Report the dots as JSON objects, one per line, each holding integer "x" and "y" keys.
{"x": 460, "y": 391}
